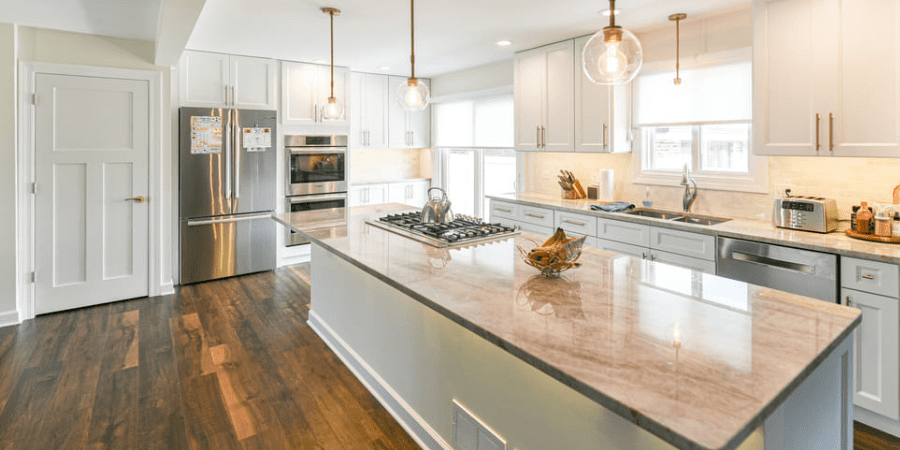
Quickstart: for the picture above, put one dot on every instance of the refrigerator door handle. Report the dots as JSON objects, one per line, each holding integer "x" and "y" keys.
{"x": 228, "y": 162}
{"x": 197, "y": 223}
{"x": 236, "y": 129}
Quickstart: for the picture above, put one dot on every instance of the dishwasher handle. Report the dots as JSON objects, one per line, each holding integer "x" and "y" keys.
{"x": 766, "y": 261}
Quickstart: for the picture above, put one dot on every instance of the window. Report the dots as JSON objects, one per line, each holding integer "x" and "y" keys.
{"x": 704, "y": 124}
{"x": 474, "y": 138}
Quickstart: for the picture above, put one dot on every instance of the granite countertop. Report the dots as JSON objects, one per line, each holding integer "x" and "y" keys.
{"x": 755, "y": 230}
{"x": 698, "y": 360}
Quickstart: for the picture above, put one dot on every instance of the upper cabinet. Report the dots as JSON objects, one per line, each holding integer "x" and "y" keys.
{"x": 602, "y": 113}
{"x": 305, "y": 91}
{"x": 544, "y": 96}
{"x": 226, "y": 81}
{"x": 408, "y": 129}
{"x": 826, "y": 78}
{"x": 369, "y": 118}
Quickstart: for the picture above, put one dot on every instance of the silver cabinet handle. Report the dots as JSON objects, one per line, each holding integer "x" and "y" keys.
{"x": 570, "y": 222}
{"x": 503, "y": 209}
{"x": 138, "y": 199}
{"x": 869, "y": 277}
{"x": 831, "y": 131}
{"x": 194, "y": 223}
{"x": 232, "y": 96}
{"x": 226, "y": 95}
{"x": 543, "y": 138}
{"x": 362, "y": 137}
{"x": 537, "y": 139}
{"x": 818, "y": 145}
{"x": 605, "y": 142}
{"x": 534, "y": 215}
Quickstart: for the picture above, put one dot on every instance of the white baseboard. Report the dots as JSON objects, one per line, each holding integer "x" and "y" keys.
{"x": 9, "y": 318}
{"x": 167, "y": 288}
{"x": 876, "y": 421}
{"x": 411, "y": 421}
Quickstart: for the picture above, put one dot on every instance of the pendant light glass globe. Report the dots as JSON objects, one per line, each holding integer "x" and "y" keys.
{"x": 413, "y": 95}
{"x": 332, "y": 110}
{"x": 613, "y": 55}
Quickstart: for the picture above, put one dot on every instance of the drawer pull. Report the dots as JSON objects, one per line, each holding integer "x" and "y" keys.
{"x": 580, "y": 224}
{"x": 849, "y": 302}
{"x": 643, "y": 255}
{"x": 504, "y": 210}
{"x": 869, "y": 277}
{"x": 535, "y": 216}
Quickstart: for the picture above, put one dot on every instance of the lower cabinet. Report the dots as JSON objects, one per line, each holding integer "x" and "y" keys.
{"x": 876, "y": 358}
{"x": 623, "y": 248}
{"x": 412, "y": 193}
{"x": 368, "y": 194}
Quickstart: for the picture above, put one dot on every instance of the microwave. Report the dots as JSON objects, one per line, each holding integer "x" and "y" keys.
{"x": 315, "y": 164}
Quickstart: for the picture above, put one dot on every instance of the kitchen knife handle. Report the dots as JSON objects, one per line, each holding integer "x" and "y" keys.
{"x": 831, "y": 131}
{"x": 818, "y": 119}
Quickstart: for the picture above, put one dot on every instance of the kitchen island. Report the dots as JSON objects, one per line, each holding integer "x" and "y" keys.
{"x": 620, "y": 353}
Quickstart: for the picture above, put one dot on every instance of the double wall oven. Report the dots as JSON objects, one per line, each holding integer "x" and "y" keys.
{"x": 316, "y": 178}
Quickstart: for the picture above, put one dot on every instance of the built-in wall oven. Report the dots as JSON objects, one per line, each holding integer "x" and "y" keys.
{"x": 316, "y": 179}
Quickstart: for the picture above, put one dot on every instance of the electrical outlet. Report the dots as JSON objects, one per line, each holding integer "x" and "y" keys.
{"x": 778, "y": 190}
{"x": 547, "y": 174}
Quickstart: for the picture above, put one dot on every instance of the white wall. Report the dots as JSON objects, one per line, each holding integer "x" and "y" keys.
{"x": 7, "y": 173}
{"x": 481, "y": 78}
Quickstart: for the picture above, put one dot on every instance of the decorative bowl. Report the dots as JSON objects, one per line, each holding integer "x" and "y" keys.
{"x": 556, "y": 255}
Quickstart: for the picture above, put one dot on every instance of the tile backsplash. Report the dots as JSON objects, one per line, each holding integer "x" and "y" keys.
{"x": 873, "y": 180}
{"x": 374, "y": 165}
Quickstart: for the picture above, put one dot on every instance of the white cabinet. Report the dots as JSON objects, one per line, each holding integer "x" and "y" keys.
{"x": 680, "y": 248}
{"x": 412, "y": 193}
{"x": 226, "y": 81}
{"x": 368, "y": 194}
{"x": 602, "y": 113}
{"x": 621, "y": 231}
{"x": 695, "y": 245}
{"x": 369, "y": 119}
{"x": 687, "y": 262}
{"x": 822, "y": 85}
{"x": 530, "y": 219}
{"x": 876, "y": 358}
{"x": 407, "y": 129}
{"x": 544, "y": 98}
{"x": 623, "y": 248}
{"x": 305, "y": 92}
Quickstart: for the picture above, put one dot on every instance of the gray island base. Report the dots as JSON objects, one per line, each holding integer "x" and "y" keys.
{"x": 621, "y": 353}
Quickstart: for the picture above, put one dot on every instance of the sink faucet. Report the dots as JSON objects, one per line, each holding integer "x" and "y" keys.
{"x": 690, "y": 189}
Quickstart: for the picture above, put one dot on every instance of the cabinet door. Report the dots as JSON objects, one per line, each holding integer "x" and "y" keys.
{"x": 376, "y": 97}
{"x": 419, "y": 192}
{"x": 399, "y": 193}
{"x": 695, "y": 245}
{"x": 687, "y": 262}
{"x": 530, "y": 82}
{"x": 204, "y": 79}
{"x": 358, "y": 196}
{"x": 621, "y": 231}
{"x": 358, "y": 114}
{"x": 865, "y": 96}
{"x": 790, "y": 67}
{"x": 398, "y": 118}
{"x": 593, "y": 109}
{"x": 378, "y": 194}
{"x": 559, "y": 109}
{"x": 625, "y": 249}
{"x": 876, "y": 359}
{"x": 418, "y": 124}
{"x": 503, "y": 212}
{"x": 253, "y": 82}
{"x": 303, "y": 85}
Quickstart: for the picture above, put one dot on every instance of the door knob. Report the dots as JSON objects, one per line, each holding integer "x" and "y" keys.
{"x": 138, "y": 199}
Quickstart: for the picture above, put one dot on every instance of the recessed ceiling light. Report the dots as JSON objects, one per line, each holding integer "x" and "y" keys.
{"x": 504, "y": 43}
{"x": 606, "y": 12}
{"x": 319, "y": 61}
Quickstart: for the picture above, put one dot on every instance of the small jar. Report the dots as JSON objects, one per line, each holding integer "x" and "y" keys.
{"x": 895, "y": 225}
{"x": 864, "y": 219}
{"x": 882, "y": 226}
{"x": 853, "y": 217}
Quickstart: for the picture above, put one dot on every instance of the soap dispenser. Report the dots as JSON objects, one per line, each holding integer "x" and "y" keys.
{"x": 648, "y": 202}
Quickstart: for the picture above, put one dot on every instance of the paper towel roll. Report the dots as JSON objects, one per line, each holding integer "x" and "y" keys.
{"x": 607, "y": 184}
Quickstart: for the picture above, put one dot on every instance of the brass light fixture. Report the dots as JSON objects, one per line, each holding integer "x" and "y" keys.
{"x": 613, "y": 55}
{"x": 413, "y": 95}
{"x": 333, "y": 110}
{"x": 677, "y": 18}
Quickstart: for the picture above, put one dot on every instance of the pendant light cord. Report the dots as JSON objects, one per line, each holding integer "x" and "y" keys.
{"x": 412, "y": 38}
{"x": 678, "y": 49}
{"x": 612, "y": 13}
{"x": 332, "y": 53}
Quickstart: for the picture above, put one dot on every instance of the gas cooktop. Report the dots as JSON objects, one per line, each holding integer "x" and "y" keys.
{"x": 461, "y": 230}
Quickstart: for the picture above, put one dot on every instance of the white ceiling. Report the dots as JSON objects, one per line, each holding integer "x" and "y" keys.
{"x": 134, "y": 19}
{"x": 370, "y": 34}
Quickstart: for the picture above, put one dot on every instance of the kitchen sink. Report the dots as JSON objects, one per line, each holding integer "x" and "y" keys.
{"x": 672, "y": 216}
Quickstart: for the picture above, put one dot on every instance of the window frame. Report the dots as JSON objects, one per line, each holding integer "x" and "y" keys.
{"x": 755, "y": 180}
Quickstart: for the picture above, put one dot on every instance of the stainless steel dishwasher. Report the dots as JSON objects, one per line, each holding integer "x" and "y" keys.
{"x": 804, "y": 272}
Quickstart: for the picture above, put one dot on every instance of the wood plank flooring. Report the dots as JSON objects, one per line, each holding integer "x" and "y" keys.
{"x": 228, "y": 364}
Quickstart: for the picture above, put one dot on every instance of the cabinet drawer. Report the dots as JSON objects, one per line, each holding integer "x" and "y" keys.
{"x": 870, "y": 276}
{"x": 503, "y": 210}
{"x": 627, "y": 232}
{"x": 687, "y": 262}
{"x": 544, "y": 233}
{"x": 619, "y": 247}
{"x": 576, "y": 223}
{"x": 684, "y": 243}
{"x": 537, "y": 216}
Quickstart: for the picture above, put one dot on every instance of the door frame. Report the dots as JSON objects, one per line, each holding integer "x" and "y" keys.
{"x": 159, "y": 282}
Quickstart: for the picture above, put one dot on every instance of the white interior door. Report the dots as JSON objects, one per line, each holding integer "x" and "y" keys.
{"x": 91, "y": 156}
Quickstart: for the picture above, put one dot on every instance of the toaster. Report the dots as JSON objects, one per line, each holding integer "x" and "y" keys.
{"x": 806, "y": 213}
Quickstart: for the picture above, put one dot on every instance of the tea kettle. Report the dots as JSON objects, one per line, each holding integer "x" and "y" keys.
{"x": 437, "y": 210}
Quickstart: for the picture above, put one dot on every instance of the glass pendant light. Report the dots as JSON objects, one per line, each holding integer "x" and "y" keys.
{"x": 412, "y": 94}
{"x": 332, "y": 110}
{"x": 613, "y": 55}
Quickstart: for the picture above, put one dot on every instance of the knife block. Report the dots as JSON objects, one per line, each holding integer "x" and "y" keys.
{"x": 569, "y": 195}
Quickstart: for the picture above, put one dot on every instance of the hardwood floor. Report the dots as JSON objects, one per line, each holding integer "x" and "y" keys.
{"x": 227, "y": 364}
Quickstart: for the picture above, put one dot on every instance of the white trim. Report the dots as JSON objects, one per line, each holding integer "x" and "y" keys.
{"x": 9, "y": 318}
{"x": 472, "y": 95}
{"x": 159, "y": 283}
{"x": 405, "y": 415}
{"x": 876, "y": 421}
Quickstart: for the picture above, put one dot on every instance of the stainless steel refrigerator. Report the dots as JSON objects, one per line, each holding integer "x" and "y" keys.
{"x": 227, "y": 192}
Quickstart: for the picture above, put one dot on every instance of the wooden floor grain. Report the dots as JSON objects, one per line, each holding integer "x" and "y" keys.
{"x": 228, "y": 364}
